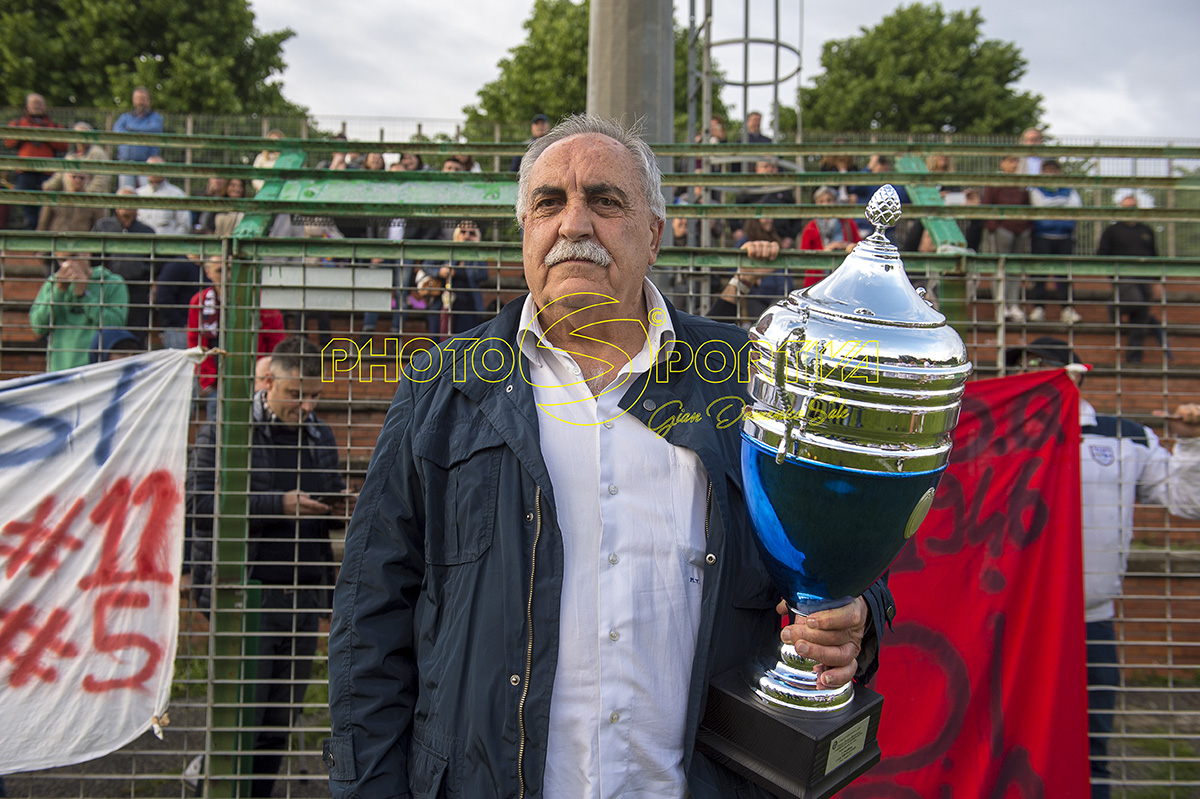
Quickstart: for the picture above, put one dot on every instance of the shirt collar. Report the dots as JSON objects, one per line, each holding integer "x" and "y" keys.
{"x": 660, "y": 338}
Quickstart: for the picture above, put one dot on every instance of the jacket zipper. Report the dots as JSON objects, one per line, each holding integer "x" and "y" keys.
{"x": 537, "y": 503}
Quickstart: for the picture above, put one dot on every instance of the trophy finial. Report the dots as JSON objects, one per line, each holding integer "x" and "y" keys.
{"x": 883, "y": 211}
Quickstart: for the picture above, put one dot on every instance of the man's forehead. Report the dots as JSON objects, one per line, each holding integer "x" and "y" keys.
{"x": 585, "y": 152}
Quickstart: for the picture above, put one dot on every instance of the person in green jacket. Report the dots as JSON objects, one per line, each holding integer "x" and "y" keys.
{"x": 77, "y": 302}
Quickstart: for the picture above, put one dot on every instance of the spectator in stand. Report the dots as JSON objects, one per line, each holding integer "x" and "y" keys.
{"x": 411, "y": 162}
{"x": 951, "y": 195}
{"x": 97, "y": 184}
{"x": 843, "y": 164}
{"x": 204, "y": 330}
{"x": 65, "y": 218}
{"x": 225, "y": 222}
{"x": 462, "y": 302}
{"x": 374, "y": 162}
{"x": 206, "y": 221}
{"x": 1053, "y": 237}
{"x": 1136, "y": 296}
{"x": 787, "y": 228}
{"x": 467, "y": 160}
{"x": 876, "y": 164}
{"x": 538, "y": 127}
{"x": 296, "y": 497}
{"x": 1032, "y": 164}
{"x": 831, "y": 235}
{"x": 335, "y": 160}
{"x": 136, "y": 272}
{"x": 754, "y": 133}
{"x": 35, "y": 117}
{"x": 176, "y": 283}
{"x": 164, "y": 221}
{"x": 1008, "y": 236}
{"x": 266, "y": 159}
{"x": 142, "y": 119}
{"x": 75, "y": 303}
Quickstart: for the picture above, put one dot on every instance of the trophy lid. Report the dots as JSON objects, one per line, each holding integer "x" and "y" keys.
{"x": 871, "y": 285}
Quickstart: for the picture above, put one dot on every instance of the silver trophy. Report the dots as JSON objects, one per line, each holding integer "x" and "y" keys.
{"x": 855, "y": 386}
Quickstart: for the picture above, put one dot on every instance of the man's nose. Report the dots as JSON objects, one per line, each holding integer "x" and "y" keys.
{"x": 575, "y": 223}
{"x": 308, "y": 405}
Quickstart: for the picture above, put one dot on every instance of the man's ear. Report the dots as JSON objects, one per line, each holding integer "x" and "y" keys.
{"x": 656, "y": 232}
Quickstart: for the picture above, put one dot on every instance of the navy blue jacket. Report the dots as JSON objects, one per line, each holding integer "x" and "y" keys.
{"x": 444, "y": 643}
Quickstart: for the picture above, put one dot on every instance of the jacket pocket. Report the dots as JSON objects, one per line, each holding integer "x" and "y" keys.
{"x": 462, "y": 485}
{"x": 426, "y": 772}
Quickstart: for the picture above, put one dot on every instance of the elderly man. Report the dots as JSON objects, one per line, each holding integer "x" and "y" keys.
{"x": 35, "y": 116}
{"x": 165, "y": 221}
{"x": 537, "y": 585}
{"x": 142, "y": 119}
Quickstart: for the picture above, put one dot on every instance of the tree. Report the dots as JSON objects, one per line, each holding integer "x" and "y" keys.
{"x": 919, "y": 71}
{"x": 201, "y": 57}
{"x": 547, "y": 74}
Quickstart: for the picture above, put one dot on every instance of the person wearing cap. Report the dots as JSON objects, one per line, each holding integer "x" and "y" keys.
{"x": 1122, "y": 463}
{"x": 539, "y": 126}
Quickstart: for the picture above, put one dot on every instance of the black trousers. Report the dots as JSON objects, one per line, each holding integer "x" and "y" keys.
{"x": 1103, "y": 676}
{"x": 287, "y": 641}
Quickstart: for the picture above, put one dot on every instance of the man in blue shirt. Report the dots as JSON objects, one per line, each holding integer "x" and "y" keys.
{"x": 142, "y": 119}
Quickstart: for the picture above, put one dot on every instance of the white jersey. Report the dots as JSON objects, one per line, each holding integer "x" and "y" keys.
{"x": 1123, "y": 463}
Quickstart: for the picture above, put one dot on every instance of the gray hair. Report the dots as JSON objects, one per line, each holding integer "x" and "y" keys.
{"x": 824, "y": 190}
{"x": 579, "y": 124}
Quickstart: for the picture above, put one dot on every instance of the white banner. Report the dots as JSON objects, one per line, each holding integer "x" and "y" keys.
{"x": 92, "y": 464}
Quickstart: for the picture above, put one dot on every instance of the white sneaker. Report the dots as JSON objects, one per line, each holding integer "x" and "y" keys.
{"x": 1069, "y": 316}
{"x": 1013, "y": 313}
{"x": 1038, "y": 314}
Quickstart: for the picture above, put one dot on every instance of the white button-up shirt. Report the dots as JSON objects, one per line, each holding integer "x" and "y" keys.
{"x": 631, "y": 508}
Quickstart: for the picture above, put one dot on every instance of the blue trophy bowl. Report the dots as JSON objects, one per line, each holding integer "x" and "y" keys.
{"x": 826, "y": 533}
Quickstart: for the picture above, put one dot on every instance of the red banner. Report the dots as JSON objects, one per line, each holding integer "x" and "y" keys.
{"x": 984, "y": 676}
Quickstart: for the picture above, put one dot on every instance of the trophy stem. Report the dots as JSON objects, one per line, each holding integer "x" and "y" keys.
{"x": 791, "y": 683}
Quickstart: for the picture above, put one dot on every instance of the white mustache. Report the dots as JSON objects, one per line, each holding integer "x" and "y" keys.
{"x": 585, "y": 250}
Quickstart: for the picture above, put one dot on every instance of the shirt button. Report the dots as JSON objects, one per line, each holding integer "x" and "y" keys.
{"x": 614, "y": 718}
{"x": 710, "y": 559}
{"x": 612, "y": 489}
{"x": 515, "y": 679}
{"x": 575, "y": 370}
{"x": 613, "y": 635}
{"x": 609, "y": 425}
{"x": 613, "y": 558}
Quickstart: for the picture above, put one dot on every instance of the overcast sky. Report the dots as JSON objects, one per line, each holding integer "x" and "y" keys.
{"x": 1104, "y": 68}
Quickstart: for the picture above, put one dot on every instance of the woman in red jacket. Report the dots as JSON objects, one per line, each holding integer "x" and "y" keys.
{"x": 831, "y": 235}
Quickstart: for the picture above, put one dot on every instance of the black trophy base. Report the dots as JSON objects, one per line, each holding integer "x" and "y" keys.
{"x": 789, "y": 753}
